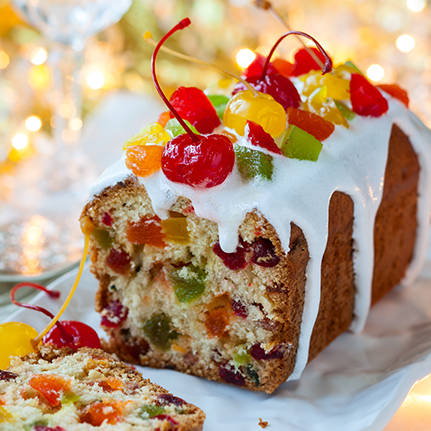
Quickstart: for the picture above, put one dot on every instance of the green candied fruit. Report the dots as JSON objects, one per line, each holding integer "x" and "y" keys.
{"x": 174, "y": 128}
{"x": 103, "y": 238}
{"x": 253, "y": 163}
{"x": 69, "y": 398}
{"x": 251, "y": 372}
{"x": 219, "y": 101}
{"x": 241, "y": 357}
{"x": 31, "y": 426}
{"x": 158, "y": 330}
{"x": 347, "y": 113}
{"x": 151, "y": 410}
{"x": 188, "y": 282}
{"x": 353, "y": 66}
{"x": 301, "y": 145}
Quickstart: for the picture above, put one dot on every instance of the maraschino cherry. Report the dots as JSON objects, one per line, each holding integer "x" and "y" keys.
{"x": 200, "y": 161}
{"x": 67, "y": 333}
{"x": 278, "y": 86}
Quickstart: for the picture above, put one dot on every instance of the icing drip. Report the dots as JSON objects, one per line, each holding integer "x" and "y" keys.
{"x": 352, "y": 161}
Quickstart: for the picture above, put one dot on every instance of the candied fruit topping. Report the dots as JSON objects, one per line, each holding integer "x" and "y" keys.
{"x": 109, "y": 411}
{"x": 144, "y": 160}
{"x": 264, "y": 253}
{"x": 151, "y": 410}
{"x": 171, "y": 399}
{"x": 283, "y": 67}
{"x": 78, "y": 335}
{"x": 87, "y": 225}
{"x": 347, "y": 113}
{"x": 311, "y": 123}
{"x": 50, "y": 387}
{"x": 114, "y": 314}
{"x": 239, "y": 309}
{"x": 194, "y": 106}
{"x": 255, "y": 68}
{"x": 7, "y": 375}
{"x": 253, "y": 163}
{"x": 152, "y": 134}
{"x": 301, "y": 145}
{"x": 118, "y": 261}
{"x": 202, "y": 164}
{"x": 259, "y": 353}
{"x": 188, "y": 282}
{"x": 5, "y": 416}
{"x": 102, "y": 238}
{"x": 237, "y": 259}
{"x": 166, "y": 418}
{"x": 258, "y": 137}
{"x": 219, "y": 101}
{"x": 241, "y": 356}
{"x": 147, "y": 230}
{"x": 107, "y": 219}
{"x": 260, "y": 108}
{"x": 164, "y": 117}
{"x": 217, "y": 316}
{"x": 175, "y": 229}
{"x": 396, "y": 91}
{"x": 304, "y": 62}
{"x": 46, "y": 428}
{"x": 135, "y": 348}
{"x": 159, "y": 331}
{"x": 111, "y": 384}
{"x": 366, "y": 99}
{"x": 174, "y": 128}
{"x": 231, "y": 376}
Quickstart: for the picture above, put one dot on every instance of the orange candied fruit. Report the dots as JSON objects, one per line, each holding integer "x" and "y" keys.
{"x": 283, "y": 67}
{"x": 144, "y": 160}
{"x": 164, "y": 117}
{"x": 110, "y": 411}
{"x": 175, "y": 229}
{"x": 218, "y": 316}
{"x": 87, "y": 225}
{"x": 396, "y": 91}
{"x": 50, "y": 387}
{"x": 312, "y": 123}
{"x": 111, "y": 384}
{"x": 147, "y": 230}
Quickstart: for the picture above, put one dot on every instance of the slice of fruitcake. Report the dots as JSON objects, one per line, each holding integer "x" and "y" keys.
{"x": 65, "y": 390}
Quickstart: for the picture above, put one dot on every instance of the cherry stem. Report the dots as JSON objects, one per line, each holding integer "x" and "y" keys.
{"x": 54, "y": 294}
{"x": 180, "y": 26}
{"x": 327, "y": 67}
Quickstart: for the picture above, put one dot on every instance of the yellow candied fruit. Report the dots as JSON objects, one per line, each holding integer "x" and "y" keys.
{"x": 337, "y": 86}
{"x": 5, "y": 416}
{"x": 178, "y": 348}
{"x": 257, "y": 107}
{"x": 175, "y": 230}
{"x": 152, "y": 134}
{"x": 87, "y": 225}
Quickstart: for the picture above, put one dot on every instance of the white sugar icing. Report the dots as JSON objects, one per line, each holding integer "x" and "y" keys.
{"x": 352, "y": 161}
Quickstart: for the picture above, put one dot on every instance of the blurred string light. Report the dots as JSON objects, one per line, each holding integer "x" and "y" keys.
{"x": 38, "y": 56}
{"x": 416, "y": 5}
{"x": 20, "y": 141}
{"x": 95, "y": 79}
{"x": 4, "y": 60}
{"x": 376, "y": 72}
{"x": 33, "y": 123}
{"x": 244, "y": 57}
{"x": 405, "y": 43}
{"x": 75, "y": 124}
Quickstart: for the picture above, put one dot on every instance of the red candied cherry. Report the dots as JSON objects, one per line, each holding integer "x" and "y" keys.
{"x": 196, "y": 160}
{"x": 264, "y": 253}
{"x": 283, "y": 67}
{"x": 73, "y": 334}
{"x": 231, "y": 376}
{"x": 45, "y": 428}
{"x": 167, "y": 418}
{"x": 257, "y": 136}
{"x": 366, "y": 99}
{"x": 396, "y": 91}
{"x": 107, "y": 219}
{"x": 114, "y": 314}
{"x": 171, "y": 399}
{"x": 258, "y": 353}
{"x": 7, "y": 375}
{"x": 239, "y": 309}
{"x": 193, "y": 105}
{"x": 237, "y": 259}
{"x": 304, "y": 61}
{"x": 118, "y": 261}
{"x": 256, "y": 67}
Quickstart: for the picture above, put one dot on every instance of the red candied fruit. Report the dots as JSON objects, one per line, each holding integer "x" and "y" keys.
{"x": 264, "y": 253}
{"x": 312, "y": 123}
{"x": 171, "y": 399}
{"x": 114, "y": 314}
{"x": 167, "y": 418}
{"x": 255, "y": 69}
{"x": 45, "y": 428}
{"x": 77, "y": 335}
{"x": 239, "y": 309}
{"x": 277, "y": 86}
{"x": 118, "y": 261}
{"x": 258, "y": 353}
{"x": 257, "y": 136}
{"x": 7, "y": 375}
{"x": 237, "y": 259}
{"x": 231, "y": 376}
{"x": 366, "y": 99}
{"x": 283, "y": 67}
{"x": 202, "y": 164}
{"x": 396, "y": 91}
{"x": 100, "y": 411}
{"x": 304, "y": 62}
{"x": 107, "y": 219}
{"x": 194, "y": 106}
{"x": 147, "y": 230}
{"x": 136, "y": 348}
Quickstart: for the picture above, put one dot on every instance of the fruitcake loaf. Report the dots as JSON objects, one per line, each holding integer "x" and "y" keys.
{"x": 238, "y": 239}
{"x": 65, "y": 390}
